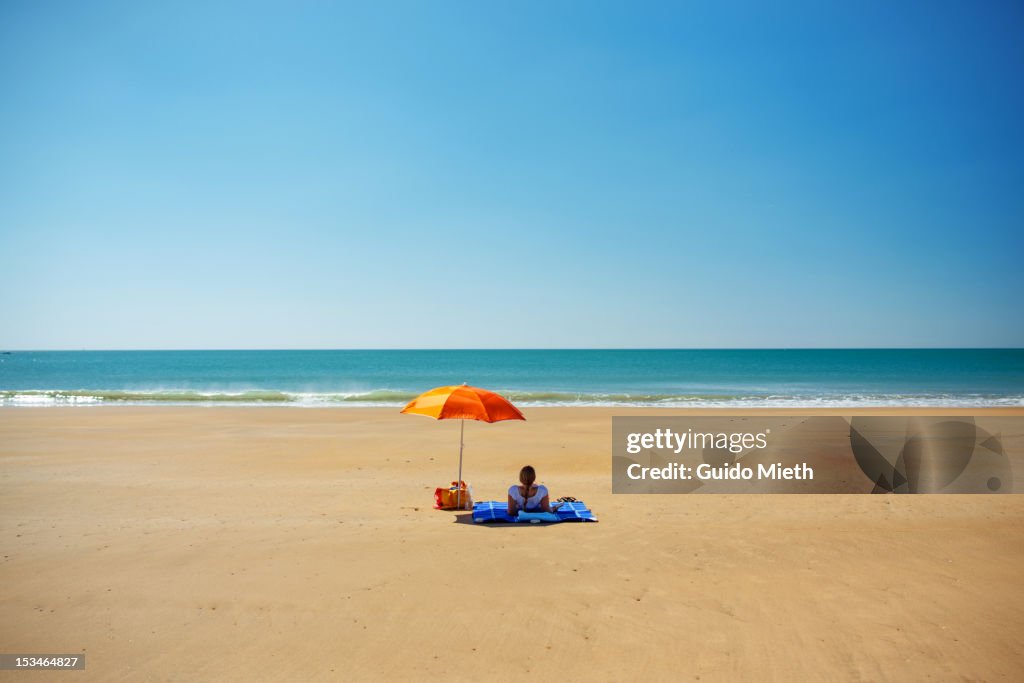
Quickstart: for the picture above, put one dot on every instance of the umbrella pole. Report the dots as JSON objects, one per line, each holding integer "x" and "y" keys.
{"x": 458, "y": 496}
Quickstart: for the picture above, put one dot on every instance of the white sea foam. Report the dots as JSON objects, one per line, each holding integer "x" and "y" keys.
{"x": 398, "y": 398}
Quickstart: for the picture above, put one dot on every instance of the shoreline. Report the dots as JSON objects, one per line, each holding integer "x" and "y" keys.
{"x": 606, "y": 410}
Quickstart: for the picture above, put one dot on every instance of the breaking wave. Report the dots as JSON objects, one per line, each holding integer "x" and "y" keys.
{"x": 397, "y": 398}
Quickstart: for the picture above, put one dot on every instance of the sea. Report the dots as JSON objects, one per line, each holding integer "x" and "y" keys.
{"x": 644, "y": 378}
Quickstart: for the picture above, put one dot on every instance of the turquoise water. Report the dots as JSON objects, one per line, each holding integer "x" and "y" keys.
{"x": 933, "y": 377}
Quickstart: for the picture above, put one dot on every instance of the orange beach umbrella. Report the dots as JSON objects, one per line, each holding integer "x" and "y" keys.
{"x": 463, "y": 403}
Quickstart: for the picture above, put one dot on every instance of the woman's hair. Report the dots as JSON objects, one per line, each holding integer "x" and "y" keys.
{"x": 527, "y": 476}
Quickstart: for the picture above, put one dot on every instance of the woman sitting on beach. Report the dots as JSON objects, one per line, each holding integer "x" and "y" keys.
{"x": 528, "y": 497}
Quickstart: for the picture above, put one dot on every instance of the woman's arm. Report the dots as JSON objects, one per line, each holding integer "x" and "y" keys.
{"x": 546, "y": 506}
{"x": 513, "y": 509}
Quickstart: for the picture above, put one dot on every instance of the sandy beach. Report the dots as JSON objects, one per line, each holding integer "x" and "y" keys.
{"x": 242, "y": 544}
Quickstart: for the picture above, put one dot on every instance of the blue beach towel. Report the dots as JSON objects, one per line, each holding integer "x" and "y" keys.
{"x": 497, "y": 511}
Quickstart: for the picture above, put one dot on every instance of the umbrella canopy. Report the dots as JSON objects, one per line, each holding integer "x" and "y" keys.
{"x": 463, "y": 403}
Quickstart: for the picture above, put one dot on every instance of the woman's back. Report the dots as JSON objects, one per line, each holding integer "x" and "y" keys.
{"x": 528, "y": 498}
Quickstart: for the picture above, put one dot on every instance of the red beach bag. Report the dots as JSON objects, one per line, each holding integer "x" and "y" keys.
{"x": 448, "y": 498}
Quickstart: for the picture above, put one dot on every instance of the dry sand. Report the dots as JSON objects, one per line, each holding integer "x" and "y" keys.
{"x": 252, "y": 544}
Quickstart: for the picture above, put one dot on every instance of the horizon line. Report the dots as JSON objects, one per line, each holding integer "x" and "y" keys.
{"x": 524, "y": 348}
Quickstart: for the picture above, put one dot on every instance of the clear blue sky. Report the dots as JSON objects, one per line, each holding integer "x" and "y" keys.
{"x": 529, "y": 174}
